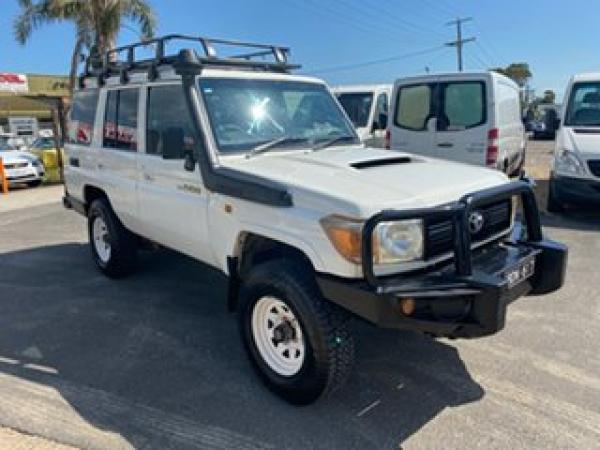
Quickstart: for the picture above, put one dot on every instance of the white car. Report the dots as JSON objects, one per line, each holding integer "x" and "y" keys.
{"x": 575, "y": 174}
{"x": 21, "y": 167}
{"x": 260, "y": 174}
{"x": 474, "y": 118}
{"x": 367, "y": 106}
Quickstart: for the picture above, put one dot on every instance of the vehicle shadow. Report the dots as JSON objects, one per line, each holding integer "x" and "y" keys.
{"x": 155, "y": 361}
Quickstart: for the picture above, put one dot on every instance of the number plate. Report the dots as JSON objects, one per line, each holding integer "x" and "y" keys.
{"x": 520, "y": 273}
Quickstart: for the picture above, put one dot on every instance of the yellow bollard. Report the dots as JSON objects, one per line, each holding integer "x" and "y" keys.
{"x": 3, "y": 178}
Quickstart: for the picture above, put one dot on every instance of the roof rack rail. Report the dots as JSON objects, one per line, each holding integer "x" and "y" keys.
{"x": 109, "y": 63}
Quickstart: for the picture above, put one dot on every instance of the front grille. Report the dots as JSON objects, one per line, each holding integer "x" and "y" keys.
{"x": 15, "y": 166}
{"x": 439, "y": 234}
{"x": 594, "y": 166}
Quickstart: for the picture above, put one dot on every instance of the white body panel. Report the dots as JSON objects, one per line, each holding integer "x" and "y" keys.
{"x": 500, "y": 111}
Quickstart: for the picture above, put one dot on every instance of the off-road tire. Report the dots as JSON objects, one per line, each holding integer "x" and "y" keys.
{"x": 328, "y": 341}
{"x": 123, "y": 243}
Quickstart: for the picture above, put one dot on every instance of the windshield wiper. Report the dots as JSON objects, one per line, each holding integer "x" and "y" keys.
{"x": 333, "y": 141}
{"x": 265, "y": 147}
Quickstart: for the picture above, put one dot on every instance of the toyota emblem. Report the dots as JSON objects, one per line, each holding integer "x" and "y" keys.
{"x": 476, "y": 221}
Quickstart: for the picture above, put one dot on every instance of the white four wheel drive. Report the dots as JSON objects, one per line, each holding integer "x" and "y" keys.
{"x": 473, "y": 118}
{"x": 367, "y": 107}
{"x": 259, "y": 173}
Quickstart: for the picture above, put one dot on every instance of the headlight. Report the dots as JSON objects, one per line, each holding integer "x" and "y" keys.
{"x": 398, "y": 241}
{"x": 393, "y": 242}
{"x": 567, "y": 161}
{"x": 36, "y": 163}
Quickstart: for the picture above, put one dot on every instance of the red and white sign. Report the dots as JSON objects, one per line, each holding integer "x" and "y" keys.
{"x": 13, "y": 82}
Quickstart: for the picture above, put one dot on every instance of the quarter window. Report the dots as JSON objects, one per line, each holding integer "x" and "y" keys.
{"x": 463, "y": 106}
{"x": 414, "y": 107}
{"x": 120, "y": 119}
{"x": 167, "y": 112}
{"x": 83, "y": 113}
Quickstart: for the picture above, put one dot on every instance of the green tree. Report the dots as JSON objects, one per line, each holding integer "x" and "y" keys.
{"x": 97, "y": 22}
{"x": 518, "y": 72}
{"x": 549, "y": 96}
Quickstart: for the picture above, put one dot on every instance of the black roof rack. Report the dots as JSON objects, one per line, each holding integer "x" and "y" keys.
{"x": 255, "y": 59}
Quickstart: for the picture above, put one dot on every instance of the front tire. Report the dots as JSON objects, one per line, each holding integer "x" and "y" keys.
{"x": 298, "y": 342}
{"x": 113, "y": 246}
{"x": 554, "y": 204}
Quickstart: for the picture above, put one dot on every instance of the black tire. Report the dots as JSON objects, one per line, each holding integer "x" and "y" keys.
{"x": 554, "y": 205}
{"x": 123, "y": 245}
{"x": 35, "y": 183}
{"x": 328, "y": 342}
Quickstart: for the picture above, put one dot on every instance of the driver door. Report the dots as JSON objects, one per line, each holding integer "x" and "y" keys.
{"x": 173, "y": 201}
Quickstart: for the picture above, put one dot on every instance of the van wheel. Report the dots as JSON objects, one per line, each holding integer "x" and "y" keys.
{"x": 113, "y": 246}
{"x": 554, "y": 205}
{"x": 299, "y": 343}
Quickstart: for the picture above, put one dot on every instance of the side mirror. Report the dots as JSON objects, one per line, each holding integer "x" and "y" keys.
{"x": 381, "y": 122}
{"x": 557, "y": 123}
{"x": 173, "y": 144}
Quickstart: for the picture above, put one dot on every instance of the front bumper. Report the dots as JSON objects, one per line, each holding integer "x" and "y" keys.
{"x": 575, "y": 190}
{"x": 25, "y": 175}
{"x": 467, "y": 297}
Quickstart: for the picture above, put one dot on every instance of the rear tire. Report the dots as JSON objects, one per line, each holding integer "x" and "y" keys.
{"x": 113, "y": 247}
{"x": 554, "y": 205}
{"x": 299, "y": 343}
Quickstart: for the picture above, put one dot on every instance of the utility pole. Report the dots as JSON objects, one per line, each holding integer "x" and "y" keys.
{"x": 459, "y": 42}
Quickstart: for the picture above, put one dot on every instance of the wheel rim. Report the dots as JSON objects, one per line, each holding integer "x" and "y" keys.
{"x": 100, "y": 237}
{"x": 278, "y": 336}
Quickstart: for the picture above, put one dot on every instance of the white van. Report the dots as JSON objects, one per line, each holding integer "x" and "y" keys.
{"x": 367, "y": 106}
{"x": 575, "y": 174}
{"x": 473, "y": 118}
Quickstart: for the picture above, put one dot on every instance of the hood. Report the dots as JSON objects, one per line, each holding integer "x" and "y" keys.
{"x": 366, "y": 180}
{"x": 584, "y": 140}
{"x": 16, "y": 156}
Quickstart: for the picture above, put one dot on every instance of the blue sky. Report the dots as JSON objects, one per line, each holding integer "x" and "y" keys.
{"x": 557, "y": 38}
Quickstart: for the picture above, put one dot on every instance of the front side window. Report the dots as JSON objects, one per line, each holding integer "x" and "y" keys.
{"x": 357, "y": 106}
{"x": 584, "y": 105}
{"x": 463, "y": 105}
{"x": 245, "y": 114}
{"x": 120, "y": 119}
{"x": 83, "y": 114}
{"x": 167, "y": 113}
{"x": 414, "y": 107}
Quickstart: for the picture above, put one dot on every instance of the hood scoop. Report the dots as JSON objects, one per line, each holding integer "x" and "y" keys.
{"x": 368, "y": 164}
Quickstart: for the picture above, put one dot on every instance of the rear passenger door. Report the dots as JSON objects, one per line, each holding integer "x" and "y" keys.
{"x": 116, "y": 162}
{"x": 173, "y": 201}
{"x": 413, "y": 127}
{"x": 462, "y": 121}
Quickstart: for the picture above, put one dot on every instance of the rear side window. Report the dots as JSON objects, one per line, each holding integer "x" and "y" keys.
{"x": 83, "y": 113}
{"x": 414, "y": 107}
{"x": 463, "y": 105}
{"x": 120, "y": 119}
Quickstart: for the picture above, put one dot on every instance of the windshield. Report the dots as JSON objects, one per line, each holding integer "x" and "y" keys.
{"x": 584, "y": 105}
{"x": 357, "y": 106}
{"x": 245, "y": 114}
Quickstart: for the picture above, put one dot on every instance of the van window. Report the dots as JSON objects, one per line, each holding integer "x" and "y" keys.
{"x": 120, "y": 119}
{"x": 584, "y": 105}
{"x": 414, "y": 107}
{"x": 463, "y": 105}
{"x": 167, "y": 110}
{"x": 357, "y": 106}
{"x": 83, "y": 113}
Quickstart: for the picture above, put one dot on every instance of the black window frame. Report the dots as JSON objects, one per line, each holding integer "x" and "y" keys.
{"x": 433, "y": 101}
{"x": 441, "y": 101}
{"x": 117, "y": 121}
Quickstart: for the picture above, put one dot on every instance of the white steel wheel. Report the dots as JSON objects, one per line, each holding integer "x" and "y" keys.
{"x": 278, "y": 336}
{"x": 101, "y": 239}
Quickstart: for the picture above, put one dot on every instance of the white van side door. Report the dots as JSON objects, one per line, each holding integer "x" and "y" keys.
{"x": 462, "y": 121}
{"x": 412, "y": 126}
{"x": 172, "y": 200}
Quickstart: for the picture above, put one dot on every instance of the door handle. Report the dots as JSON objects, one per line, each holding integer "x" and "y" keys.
{"x": 445, "y": 144}
{"x": 148, "y": 177}
{"x": 100, "y": 166}
{"x": 74, "y": 162}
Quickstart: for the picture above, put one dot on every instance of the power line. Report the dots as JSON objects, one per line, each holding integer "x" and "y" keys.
{"x": 459, "y": 42}
{"x": 375, "y": 61}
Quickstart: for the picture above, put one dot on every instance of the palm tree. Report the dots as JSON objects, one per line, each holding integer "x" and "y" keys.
{"x": 97, "y": 22}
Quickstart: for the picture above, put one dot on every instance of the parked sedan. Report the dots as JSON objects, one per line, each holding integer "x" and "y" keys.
{"x": 45, "y": 149}
{"x": 21, "y": 167}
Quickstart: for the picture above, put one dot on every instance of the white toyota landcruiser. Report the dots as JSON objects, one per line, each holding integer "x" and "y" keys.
{"x": 259, "y": 173}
